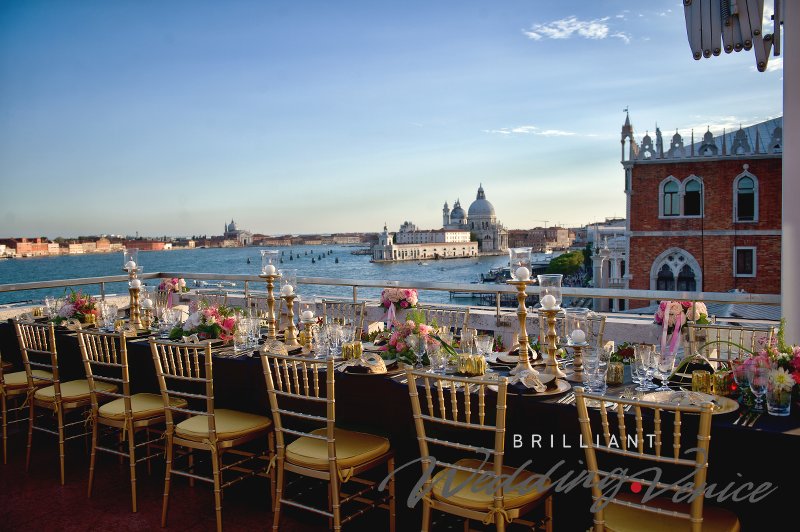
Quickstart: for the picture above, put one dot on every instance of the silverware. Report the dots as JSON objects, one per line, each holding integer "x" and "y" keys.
{"x": 738, "y": 419}
{"x": 754, "y": 419}
{"x": 567, "y": 399}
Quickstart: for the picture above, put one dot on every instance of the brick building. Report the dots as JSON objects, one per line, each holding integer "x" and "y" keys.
{"x": 707, "y": 216}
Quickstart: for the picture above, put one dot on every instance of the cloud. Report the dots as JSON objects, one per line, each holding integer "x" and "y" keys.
{"x": 530, "y": 130}
{"x": 568, "y": 27}
{"x": 773, "y": 64}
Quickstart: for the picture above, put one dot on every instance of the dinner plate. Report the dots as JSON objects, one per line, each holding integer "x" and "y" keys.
{"x": 722, "y": 405}
{"x": 560, "y": 386}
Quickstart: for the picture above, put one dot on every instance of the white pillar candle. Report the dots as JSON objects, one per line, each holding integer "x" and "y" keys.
{"x": 548, "y": 302}
{"x": 287, "y": 290}
{"x": 522, "y": 273}
{"x": 147, "y": 303}
{"x": 307, "y": 315}
{"x": 578, "y": 336}
{"x": 130, "y": 265}
{"x": 136, "y": 283}
{"x": 269, "y": 269}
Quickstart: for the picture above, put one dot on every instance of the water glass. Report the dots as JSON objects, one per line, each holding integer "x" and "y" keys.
{"x": 779, "y": 396}
{"x": 169, "y": 319}
{"x": 484, "y": 343}
{"x": 758, "y": 374}
{"x": 662, "y": 368}
{"x": 595, "y": 366}
{"x": 642, "y": 362}
{"x": 109, "y": 315}
{"x": 417, "y": 343}
{"x": 51, "y": 307}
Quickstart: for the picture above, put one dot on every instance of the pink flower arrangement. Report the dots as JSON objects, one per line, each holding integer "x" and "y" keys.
{"x": 399, "y": 344}
{"x": 207, "y": 322}
{"x": 399, "y": 298}
{"x": 173, "y": 285}
{"x": 77, "y": 305}
{"x": 680, "y": 312}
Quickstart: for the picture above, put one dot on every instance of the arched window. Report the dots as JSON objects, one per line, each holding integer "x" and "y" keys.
{"x": 671, "y": 199}
{"x": 665, "y": 280}
{"x": 693, "y": 198}
{"x": 745, "y": 200}
{"x": 686, "y": 281}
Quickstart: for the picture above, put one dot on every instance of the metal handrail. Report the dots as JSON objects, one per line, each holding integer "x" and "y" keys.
{"x": 601, "y": 293}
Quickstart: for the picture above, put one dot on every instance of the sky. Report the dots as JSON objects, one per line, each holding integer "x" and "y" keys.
{"x": 172, "y": 117}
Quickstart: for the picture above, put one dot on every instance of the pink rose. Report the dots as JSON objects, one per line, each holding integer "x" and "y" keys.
{"x": 228, "y": 324}
{"x": 404, "y": 304}
{"x": 401, "y": 346}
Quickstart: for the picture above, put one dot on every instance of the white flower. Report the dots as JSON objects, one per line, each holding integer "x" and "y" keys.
{"x": 194, "y": 321}
{"x": 782, "y": 380}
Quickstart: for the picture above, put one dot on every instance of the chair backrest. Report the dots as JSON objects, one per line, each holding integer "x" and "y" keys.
{"x": 184, "y": 371}
{"x": 442, "y": 413}
{"x": 596, "y": 323}
{"x": 452, "y": 319}
{"x": 337, "y": 311}
{"x": 725, "y": 339}
{"x": 214, "y": 297}
{"x": 37, "y": 344}
{"x": 259, "y": 307}
{"x": 617, "y": 443}
{"x": 105, "y": 359}
{"x": 295, "y": 387}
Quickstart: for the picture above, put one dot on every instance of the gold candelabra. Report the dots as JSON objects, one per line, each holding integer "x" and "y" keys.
{"x": 146, "y": 317}
{"x": 290, "y": 335}
{"x": 551, "y": 346}
{"x": 272, "y": 329}
{"x": 577, "y": 362}
{"x": 309, "y": 336}
{"x": 135, "y": 308}
{"x": 524, "y": 363}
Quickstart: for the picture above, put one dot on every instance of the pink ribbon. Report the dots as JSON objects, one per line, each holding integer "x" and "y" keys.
{"x": 676, "y": 332}
{"x": 390, "y": 315}
{"x": 169, "y": 299}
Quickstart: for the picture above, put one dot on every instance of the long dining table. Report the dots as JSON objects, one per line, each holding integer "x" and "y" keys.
{"x": 541, "y": 431}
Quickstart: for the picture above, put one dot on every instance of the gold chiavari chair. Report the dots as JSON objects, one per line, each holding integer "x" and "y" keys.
{"x": 625, "y": 512}
{"x": 328, "y": 453}
{"x": 218, "y": 298}
{"x": 105, "y": 360}
{"x": 338, "y": 311}
{"x": 37, "y": 342}
{"x": 451, "y": 319}
{"x": 14, "y": 388}
{"x": 721, "y": 342}
{"x": 259, "y": 308}
{"x": 471, "y": 487}
{"x": 185, "y": 372}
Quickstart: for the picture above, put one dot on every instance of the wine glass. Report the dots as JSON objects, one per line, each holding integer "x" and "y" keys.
{"x": 740, "y": 374}
{"x": 663, "y": 364}
{"x": 758, "y": 375}
{"x": 483, "y": 344}
{"x": 51, "y": 307}
{"x": 109, "y": 311}
{"x": 417, "y": 344}
{"x": 642, "y": 353}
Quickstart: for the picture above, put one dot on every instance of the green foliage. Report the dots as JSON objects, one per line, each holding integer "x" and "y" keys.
{"x": 566, "y": 264}
{"x": 587, "y": 256}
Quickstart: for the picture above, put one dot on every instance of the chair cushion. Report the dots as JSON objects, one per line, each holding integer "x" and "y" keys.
{"x": 18, "y": 379}
{"x": 143, "y": 406}
{"x": 352, "y": 449}
{"x": 624, "y": 519}
{"x": 73, "y": 390}
{"x": 230, "y": 425}
{"x": 482, "y": 498}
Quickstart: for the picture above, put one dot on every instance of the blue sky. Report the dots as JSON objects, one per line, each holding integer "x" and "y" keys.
{"x": 168, "y": 117}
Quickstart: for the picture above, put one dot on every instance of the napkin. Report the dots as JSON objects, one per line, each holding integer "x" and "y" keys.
{"x": 371, "y": 361}
{"x": 74, "y": 324}
{"x": 529, "y": 379}
{"x": 192, "y": 339}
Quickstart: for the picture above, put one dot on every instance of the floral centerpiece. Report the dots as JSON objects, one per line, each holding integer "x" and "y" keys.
{"x": 623, "y": 353}
{"x": 78, "y": 305}
{"x": 671, "y": 316}
{"x": 398, "y": 344}
{"x": 394, "y": 299}
{"x": 208, "y": 322}
{"x": 174, "y": 285}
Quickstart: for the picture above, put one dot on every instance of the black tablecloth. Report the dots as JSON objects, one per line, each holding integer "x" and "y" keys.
{"x": 548, "y": 431}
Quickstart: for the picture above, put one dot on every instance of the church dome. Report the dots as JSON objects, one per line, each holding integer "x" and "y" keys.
{"x": 481, "y": 206}
{"x": 232, "y": 227}
{"x": 457, "y": 214}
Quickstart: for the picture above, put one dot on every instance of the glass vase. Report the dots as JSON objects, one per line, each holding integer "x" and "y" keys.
{"x": 779, "y": 400}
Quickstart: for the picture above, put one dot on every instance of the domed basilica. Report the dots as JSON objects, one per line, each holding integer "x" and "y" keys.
{"x": 479, "y": 220}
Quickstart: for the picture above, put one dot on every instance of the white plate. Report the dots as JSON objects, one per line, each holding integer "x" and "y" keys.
{"x": 722, "y": 405}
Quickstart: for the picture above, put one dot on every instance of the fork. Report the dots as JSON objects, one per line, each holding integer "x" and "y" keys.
{"x": 753, "y": 420}
{"x": 743, "y": 418}
{"x": 567, "y": 399}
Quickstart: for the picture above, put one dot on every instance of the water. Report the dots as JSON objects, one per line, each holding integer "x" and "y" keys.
{"x": 234, "y": 261}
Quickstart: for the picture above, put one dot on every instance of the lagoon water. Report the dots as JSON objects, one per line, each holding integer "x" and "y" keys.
{"x": 234, "y": 261}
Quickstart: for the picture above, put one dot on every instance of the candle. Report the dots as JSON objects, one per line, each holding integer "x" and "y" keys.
{"x": 307, "y": 315}
{"x": 287, "y": 290}
{"x": 578, "y": 336}
{"x": 522, "y": 273}
{"x": 147, "y": 303}
{"x": 548, "y": 302}
{"x": 135, "y": 283}
{"x": 130, "y": 265}
{"x": 269, "y": 269}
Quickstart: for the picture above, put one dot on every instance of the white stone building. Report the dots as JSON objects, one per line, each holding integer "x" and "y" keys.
{"x": 241, "y": 236}
{"x": 480, "y": 220}
{"x": 423, "y": 245}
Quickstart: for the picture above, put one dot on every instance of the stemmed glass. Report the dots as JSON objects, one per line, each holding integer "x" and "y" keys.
{"x": 483, "y": 344}
{"x": 417, "y": 343}
{"x": 51, "y": 307}
{"x": 758, "y": 375}
{"x": 643, "y": 355}
{"x": 436, "y": 355}
{"x": 663, "y": 364}
{"x": 109, "y": 314}
{"x": 740, "y": 374}
{"x": 169, "y": 319}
